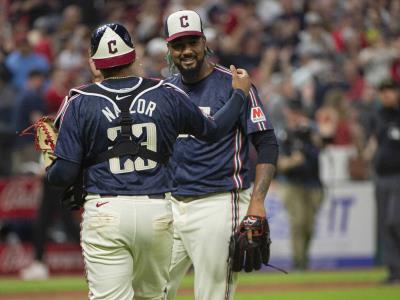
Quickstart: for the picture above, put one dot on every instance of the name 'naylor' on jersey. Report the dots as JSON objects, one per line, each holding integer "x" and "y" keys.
{"x": 139, "y": 106}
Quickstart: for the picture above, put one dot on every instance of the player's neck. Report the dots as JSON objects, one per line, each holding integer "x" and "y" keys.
{"x": 116, "y": 73}
{"x": 205, "y": 70}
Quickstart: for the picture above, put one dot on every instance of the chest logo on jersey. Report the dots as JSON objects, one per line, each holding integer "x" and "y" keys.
{"x": 206, "y": 110}
{"x": 257, "y": 115}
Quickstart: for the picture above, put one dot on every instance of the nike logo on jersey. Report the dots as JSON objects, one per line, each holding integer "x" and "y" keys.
{"x": 98, "y": 204}
{"x": 120, "y": 98}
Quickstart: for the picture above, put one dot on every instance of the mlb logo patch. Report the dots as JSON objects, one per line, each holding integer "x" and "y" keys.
{"x": 257, "y": 115}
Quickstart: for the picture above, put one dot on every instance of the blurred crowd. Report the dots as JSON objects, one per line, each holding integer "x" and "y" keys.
{"x": 331, "y": 55}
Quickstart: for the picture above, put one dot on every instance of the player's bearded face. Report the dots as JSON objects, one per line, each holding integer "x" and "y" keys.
{"x": 188, "y": 54}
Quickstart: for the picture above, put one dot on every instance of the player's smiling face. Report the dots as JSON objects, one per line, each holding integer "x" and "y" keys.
{"x": 188, "y": 53}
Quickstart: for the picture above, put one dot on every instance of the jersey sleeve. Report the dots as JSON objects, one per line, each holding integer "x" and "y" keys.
{"x": 256, "y": 118}
{"x": 207, "y": 128}
{"x": 190, "y": 119}
{"x": 69, "y": 144}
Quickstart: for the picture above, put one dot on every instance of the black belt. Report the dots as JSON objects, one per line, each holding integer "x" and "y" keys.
{"x": 151, "y": 196}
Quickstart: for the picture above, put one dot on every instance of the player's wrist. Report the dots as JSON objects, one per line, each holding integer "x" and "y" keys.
{"x": 256, "y": 208}
{"x": 260, "y": 213}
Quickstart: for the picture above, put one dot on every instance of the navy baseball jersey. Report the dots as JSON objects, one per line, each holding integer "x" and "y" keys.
{"x": 199, "y": 167}
{"x": 89, "y": 124}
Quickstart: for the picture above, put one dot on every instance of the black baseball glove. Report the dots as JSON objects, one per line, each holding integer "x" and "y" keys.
{"x": 249, "y": 246}
{"x": 73, "y": 197}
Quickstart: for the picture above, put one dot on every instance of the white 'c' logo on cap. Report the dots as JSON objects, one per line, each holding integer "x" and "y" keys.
{"x": 111, "y": 46}
{"x": 184, "y": 21}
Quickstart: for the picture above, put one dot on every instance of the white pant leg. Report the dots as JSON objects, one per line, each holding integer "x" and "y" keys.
{"x": 180, "y": 261}
{"x": 127, "y": 246}
{"x": 107, "y": 260}
{"x": 205, "y": 227}
{"x": 152, "y": 250}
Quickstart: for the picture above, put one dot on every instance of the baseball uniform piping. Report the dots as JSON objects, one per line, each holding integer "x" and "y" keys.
{"x": 63, "y": 111}
{"x": 235, "y": 220}
{"x": 121, "y": 91}
{"x": 237, "y": 162}
{"x": 254, "y": 102}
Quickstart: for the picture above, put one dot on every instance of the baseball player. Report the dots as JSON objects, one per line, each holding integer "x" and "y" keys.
{"x": 213, "y": 182}
{"x": 121, "y": 131}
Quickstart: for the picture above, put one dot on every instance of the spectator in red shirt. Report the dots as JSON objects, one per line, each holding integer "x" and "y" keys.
{"x": 57, "y": 90}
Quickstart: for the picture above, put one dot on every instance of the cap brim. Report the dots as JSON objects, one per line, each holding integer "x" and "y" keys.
{"x": 106, "y": 63}
{"x": 184, "y": 33}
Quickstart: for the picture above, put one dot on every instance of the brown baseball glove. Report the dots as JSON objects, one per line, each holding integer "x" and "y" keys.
{"x": 45, "y": 137}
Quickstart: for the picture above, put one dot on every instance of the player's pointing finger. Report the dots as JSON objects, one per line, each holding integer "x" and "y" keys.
{"x": 233, "y": 70}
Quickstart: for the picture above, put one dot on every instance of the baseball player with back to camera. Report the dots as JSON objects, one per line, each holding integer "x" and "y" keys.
{"x": 213, "y": 182}
{"x": 121, "y": 131}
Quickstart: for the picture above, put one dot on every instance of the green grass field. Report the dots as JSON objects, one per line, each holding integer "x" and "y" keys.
{"x": 329, "y": 285}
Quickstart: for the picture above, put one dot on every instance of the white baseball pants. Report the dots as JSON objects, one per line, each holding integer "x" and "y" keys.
{"x": 126, "y": 243}
{"x": 202, "y": 230}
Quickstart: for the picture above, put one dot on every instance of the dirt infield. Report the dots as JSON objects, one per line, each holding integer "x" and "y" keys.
{"x": 257, "y": 288}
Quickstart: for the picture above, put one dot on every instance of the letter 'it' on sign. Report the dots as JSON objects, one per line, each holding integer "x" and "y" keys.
{"x": 184, "y": 21}
{"x": 112, "y": 46}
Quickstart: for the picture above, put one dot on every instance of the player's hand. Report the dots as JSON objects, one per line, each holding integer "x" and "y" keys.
{"x": 255, "y": 209}
{"x": 249, "y": 246}
{"x": 240, "y": 79}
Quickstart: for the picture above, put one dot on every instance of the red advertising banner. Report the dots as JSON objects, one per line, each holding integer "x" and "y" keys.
{"x": 19, "y": 199}
{"x": 19, "y": 196}
{"x": 60, "y": 258}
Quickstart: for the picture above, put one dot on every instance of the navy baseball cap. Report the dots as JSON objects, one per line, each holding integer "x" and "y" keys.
{"x": 183, "y": 23}
{"x": 111, "y": 46}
